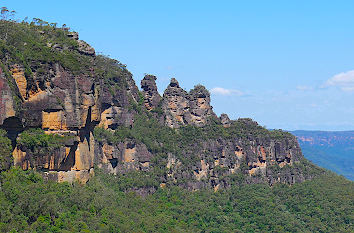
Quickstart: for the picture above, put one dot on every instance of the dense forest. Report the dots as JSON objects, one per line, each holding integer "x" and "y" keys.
{"x": 27, "y": 203}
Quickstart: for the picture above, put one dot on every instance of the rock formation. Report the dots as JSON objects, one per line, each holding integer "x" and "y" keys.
{"x": 200, "y": 108}
{"x": 176, "y": 105}
{"x": 182, "y": 108}
{"x": 70, "y": 102}
{"x": 258, "y": 156}
{"x": 62, "y": 103}
{"x": 124, "y": 157}
{"x": 225, "y": 120}
{"x": 151, "y": 95}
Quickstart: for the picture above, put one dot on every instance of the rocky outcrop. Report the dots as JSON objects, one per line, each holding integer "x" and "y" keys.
{"x": 73, "y": 35}
{"x": 182, "y": 108}
{"x": 72, "y": 105}
{"x": 124, "y": 157}
{"x": 20, "y": 79}
{"x": 152, "y": 97}
{"x": 7, "y": 105}
{"x": 225, "y": 120}
{"x": 75, "y": 156}
{"x": 85, "y": 48}
{"x": 200, "y": 108}
{"x": 70, "y": 176}
{"x": 64, "y": 103}
{"x": 175, "y": 105}
{"x": 261, "y": 160}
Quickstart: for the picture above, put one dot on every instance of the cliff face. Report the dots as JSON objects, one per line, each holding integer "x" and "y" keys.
{"x": 7, "y": 106}
{"x": 102, "y": 116}
{"x": 58, "y": 101}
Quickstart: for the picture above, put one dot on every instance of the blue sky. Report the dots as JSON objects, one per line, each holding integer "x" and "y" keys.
{"x": 286, "y": 64}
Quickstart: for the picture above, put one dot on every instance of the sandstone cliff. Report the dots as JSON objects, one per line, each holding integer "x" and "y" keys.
{"x": 93, "y": 103}
{"x": 182, "y": 108}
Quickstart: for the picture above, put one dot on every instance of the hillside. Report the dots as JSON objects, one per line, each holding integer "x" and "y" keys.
{"x": 331, "y": 150}
{"x": 27, "y": 204}
{"x": 84, "y": 149}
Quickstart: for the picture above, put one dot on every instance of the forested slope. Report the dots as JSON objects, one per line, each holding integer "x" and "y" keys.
{"x": 324, "y": 204}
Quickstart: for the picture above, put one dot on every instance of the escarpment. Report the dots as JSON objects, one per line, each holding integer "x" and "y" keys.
{"x": 69, "y": 111}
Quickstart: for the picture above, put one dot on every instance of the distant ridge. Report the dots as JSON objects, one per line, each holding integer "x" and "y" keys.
{"x": 333, "y": 150}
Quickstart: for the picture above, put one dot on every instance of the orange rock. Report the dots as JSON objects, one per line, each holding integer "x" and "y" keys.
{"x": 263, "y": 153}
{"x": 21, "y": 81}
{"x": 72, "y": 176}
{"x": 84, "y": 155}
{"x": 108, "y": 117}
{"x": 172, "y": 105}
{"x": 282, "y": 164}
{"x": 95, "y": 113}
{"x": 53, "y": 120}
{"x": 202, "y": 103}
{"x": 145, "y": 164}
{"x": 108, "y": 151}
{"x": 36, "y": 96}
{"x": 129, "y": 155}
{"x": 51, "y": 163}
{"x": 19, "y": 158}
{"x": 217, "y": 187}
{"x": 239, "y": 152}
{"x": 179, "y": 118}
{"x": 216, "y": 162}
{"x": 252, "y": 171}
{"x": 203, "y": 173}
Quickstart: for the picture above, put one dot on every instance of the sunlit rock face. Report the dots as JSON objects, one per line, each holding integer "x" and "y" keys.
{"x": 61, "y": 102}
{"x": 66, "y": 104}
{"x": 182, "y": 108}
{"x": 124, "y": 157}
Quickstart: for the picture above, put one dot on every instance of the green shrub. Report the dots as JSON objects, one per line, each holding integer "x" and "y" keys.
{"x": 5, "y": 151}
{"x": 36, "y": 139}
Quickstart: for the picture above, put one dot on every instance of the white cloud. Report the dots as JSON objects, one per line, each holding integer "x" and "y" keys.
{"x": 304, "y": 88}
{"x": 344, "y": 81}
{"x": 224, "y": 91}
